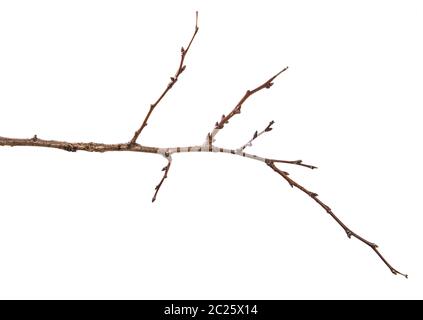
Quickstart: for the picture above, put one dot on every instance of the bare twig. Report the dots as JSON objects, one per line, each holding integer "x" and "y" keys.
{"x": 297, "y": 162}
{"x": 347, "y": 230}
{"x": 237, "y": 110}
{"x": 208, "y": 146}
{"x": 166, "y": 171}
{"x": 258, "y": 134}
{"x": 173, "y": 80}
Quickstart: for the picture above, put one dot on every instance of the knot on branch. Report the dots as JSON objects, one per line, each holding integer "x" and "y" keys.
{"x": 70, "y": 148}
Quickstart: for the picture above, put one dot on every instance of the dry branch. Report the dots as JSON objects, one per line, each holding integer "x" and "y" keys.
{"x": 258, "y": 134}
{"x": 166, "y": 171}
{"x": 173, "y": 80}
{"x": 237, "y": 110}
{"x": 207, "y": 146}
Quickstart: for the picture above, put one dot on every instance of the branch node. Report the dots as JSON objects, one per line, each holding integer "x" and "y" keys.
{"x": 70, "y": 148}
{"x": 269, "y": 126}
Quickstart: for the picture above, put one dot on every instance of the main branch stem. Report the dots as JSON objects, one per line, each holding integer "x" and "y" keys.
{"x": 167, "y": 152}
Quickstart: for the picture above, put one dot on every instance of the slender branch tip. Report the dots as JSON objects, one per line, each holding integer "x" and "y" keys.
{"x": 196, "y": 20}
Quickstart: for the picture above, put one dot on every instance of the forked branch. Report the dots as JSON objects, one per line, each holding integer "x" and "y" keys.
{"x": 207, "y": 146}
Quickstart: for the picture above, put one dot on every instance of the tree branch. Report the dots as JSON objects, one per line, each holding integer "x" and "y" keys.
{"x": 167, "y": 153}
{"x": 173, "y": 80}
{"x": 207, "y": 146}
{"x": 348, "y": 231}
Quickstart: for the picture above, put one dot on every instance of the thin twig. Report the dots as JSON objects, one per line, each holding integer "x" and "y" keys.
{"x": 297, "y": 162}
{"x": 166, "y": 171}
{"x": 258, "y": 134}
{"x": 347, "y": 230}
{"x": 237, "y": 110}
{"x": 173, "y": 80}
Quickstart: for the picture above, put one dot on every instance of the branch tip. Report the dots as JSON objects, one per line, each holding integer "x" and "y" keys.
{"x": 277, "y": 75}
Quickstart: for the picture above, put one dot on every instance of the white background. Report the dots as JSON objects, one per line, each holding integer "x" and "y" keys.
{"x": 80, "y": 225}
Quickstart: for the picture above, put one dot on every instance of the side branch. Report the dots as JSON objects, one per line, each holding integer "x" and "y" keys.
{"x": 348, "y": 231}
{"x": 297, "y": 162}
{"x": 237, "y": 110}
{"x": 166, "y": 171}
{"x": 173, "y": 80}
{"x": 258, "y": 134}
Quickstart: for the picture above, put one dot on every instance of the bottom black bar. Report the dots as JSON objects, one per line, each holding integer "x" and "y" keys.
{"x": 193, "y": 309}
